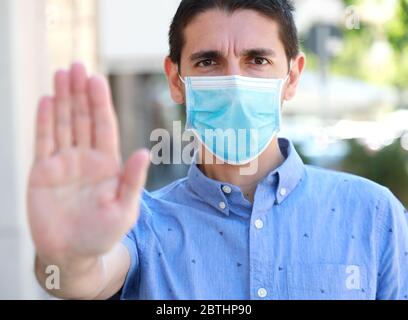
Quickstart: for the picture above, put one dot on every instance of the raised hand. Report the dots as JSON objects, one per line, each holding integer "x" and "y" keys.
{"x": 81, "y": 201}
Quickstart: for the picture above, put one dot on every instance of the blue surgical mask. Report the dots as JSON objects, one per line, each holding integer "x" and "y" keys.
{"x": 234, "y": 117}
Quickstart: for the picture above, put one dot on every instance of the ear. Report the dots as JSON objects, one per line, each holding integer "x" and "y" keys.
{"x": 297, "y": 69}
{"x": 175, "y": 84}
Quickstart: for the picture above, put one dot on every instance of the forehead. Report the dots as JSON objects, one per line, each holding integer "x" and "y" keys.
{"x": 243, "y": 29}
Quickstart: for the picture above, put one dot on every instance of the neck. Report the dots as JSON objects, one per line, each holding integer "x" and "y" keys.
{"x": 268, "y": 161}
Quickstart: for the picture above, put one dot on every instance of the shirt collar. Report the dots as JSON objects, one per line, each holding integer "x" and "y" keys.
{"x": 289, "y": 175}
{"x": 290, "y": 172}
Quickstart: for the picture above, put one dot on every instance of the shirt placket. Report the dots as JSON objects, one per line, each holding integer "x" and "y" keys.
{"x": 260, "y": 250}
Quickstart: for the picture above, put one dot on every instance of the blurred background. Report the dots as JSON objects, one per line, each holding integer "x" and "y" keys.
{"x": 350, "y": 114}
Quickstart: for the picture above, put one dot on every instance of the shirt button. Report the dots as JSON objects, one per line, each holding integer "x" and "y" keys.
{"x": 259, "y": 224}
{"x": 262, "y": 293}
{"x": 227, "y": 189}
{"x": 283, "y": 192}
{"x": 222, "y": 205}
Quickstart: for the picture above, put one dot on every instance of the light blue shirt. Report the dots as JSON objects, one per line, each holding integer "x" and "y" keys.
{"x": 310, "y": 234}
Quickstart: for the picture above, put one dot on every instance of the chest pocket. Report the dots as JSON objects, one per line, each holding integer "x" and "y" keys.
{"x": 327, "y": 282}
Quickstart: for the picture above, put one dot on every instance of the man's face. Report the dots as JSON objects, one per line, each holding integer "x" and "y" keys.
{"x": 243, "y": 43}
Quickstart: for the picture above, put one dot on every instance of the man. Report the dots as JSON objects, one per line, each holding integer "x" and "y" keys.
{"x": 285, "y": 231}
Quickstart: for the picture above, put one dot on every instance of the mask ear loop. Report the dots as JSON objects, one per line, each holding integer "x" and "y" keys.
{"x": 288, "y": 76}
{"x": 181, "y": 79}
{"x": 290, "y": 71}
{"x": 179, "y": 75}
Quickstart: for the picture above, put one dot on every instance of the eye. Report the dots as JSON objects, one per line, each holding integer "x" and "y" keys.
{"x": 206, "y": 63}
{"x": 260, "y": 61}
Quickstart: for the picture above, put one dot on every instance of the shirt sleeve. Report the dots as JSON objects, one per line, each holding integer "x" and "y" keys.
{"x": 133, "y": 241}
{"x": 392, "y": 282}
{"x": 130, "y": 284}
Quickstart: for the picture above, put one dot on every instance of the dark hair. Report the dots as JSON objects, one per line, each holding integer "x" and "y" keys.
{"x": 280, "y": 11}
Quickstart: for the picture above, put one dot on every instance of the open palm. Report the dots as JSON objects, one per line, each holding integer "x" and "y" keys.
{"x": 80, "y": 199}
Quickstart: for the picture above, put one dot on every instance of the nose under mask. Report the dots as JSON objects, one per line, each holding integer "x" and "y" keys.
{"x": 234, "y": 117}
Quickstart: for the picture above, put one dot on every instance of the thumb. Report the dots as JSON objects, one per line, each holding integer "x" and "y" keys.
{"x": 133, "y": 180}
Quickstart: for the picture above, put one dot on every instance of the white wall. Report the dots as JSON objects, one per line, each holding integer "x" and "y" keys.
{"x": 22, "y": 66}
{"x": 133, "y": 34}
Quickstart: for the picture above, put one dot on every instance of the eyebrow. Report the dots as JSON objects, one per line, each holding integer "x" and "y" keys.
{"x": 215, "y": 54}
{"x": 258, "y": 52}
{"x": 206, "y": 54}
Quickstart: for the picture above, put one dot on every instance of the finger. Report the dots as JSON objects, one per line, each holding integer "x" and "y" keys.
{"x": 133, "y": 180}
{"x": 80, "y": 106}
{"x": 45, "y": 143}
{"x": 104, "y": 136}
{"x": 63, "y": 110}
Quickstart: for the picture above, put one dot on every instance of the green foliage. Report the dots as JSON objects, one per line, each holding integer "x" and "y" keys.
{"x": 350, "y": 2}
{"x": 397, "y": 33}
{"x": 354, "y": 60}
{"x": 397, "y": 29}
{"x": 388, "y": 167}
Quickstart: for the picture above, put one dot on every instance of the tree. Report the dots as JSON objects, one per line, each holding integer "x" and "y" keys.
{"x": 397, "y": 32}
